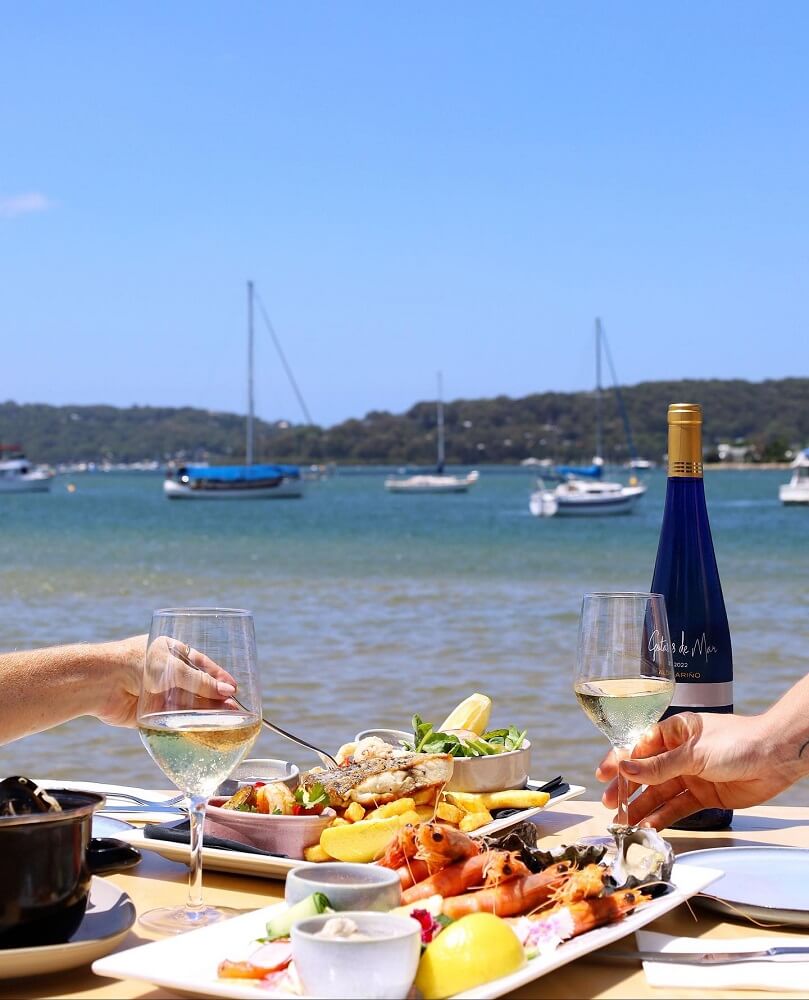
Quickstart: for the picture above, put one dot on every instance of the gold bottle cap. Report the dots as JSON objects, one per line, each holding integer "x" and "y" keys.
{"x": 685, "y": 440}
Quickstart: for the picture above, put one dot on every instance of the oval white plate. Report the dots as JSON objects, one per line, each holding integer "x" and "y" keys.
{"x": 766, "y": 883}
{"x": 110, "y": 913}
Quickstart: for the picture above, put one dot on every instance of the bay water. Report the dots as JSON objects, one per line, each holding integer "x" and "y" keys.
{"x": 370, "y": 607}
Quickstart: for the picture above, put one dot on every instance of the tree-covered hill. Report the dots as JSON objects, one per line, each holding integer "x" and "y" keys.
{"x": 771, "y": 416}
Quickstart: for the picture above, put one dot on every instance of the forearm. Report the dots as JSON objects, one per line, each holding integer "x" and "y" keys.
{"x": 45, "y": 687}
{"x": 786, "y": 732}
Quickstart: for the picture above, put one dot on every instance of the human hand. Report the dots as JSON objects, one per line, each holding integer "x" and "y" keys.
{"x": 124, "y": 663}
{"x": 690, "y": 762}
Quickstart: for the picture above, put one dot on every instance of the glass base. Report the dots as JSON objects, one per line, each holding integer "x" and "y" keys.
{"x": 179, "y": 919}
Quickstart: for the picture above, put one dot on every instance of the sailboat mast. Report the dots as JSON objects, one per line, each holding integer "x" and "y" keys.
{"x": 440, "y": 418}
{"x": 249, "y": 441}
{"x": 599, "y": 401}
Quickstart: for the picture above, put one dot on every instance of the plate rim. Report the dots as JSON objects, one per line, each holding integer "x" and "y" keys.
{"x": 73, "y": 948}
{"x": 727, "y": 904}
{"x": 269, "y": 866}
{"x": 696, "y": 879}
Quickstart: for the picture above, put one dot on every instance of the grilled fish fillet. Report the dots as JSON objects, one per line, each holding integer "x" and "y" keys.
{"x": 376, "y": 780}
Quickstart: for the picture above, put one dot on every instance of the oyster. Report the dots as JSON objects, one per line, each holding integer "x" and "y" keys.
{"x": 22, "y": 797}
{"x": 644, "y": 859}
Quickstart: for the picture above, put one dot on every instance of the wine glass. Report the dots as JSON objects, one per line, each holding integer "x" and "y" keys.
{"x": 199, "y": 713}
{"x": 624, "y": 671}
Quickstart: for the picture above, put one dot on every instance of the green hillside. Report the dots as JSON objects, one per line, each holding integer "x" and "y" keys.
{"x": 771, "y": 416}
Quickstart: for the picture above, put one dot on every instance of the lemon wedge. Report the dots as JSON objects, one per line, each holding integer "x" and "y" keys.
{"x": 472, "y": 714}
{"x": 474, "y": 950}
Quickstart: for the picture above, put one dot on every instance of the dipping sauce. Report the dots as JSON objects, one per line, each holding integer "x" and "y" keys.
{"x": 344, "y": 929}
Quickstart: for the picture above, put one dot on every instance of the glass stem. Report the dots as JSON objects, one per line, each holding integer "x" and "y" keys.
{"x": 196, "y": 816}
{"x": 623, "y": 753}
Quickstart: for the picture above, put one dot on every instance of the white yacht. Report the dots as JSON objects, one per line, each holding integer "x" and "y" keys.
{"x": 796, "y": 491}
{"x": 18, "y": 475}
{"x": 438, "y": 481}
{"x": 580, "y": 497}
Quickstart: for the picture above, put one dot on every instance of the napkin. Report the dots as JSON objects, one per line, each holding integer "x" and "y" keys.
{"x": 180, "y": 833}
{"x": 779, "y": 977}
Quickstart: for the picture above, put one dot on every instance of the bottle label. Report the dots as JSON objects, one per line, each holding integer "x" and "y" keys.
{"x": 703, "y": 695}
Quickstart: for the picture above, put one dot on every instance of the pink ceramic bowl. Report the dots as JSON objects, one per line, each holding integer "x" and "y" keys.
{"x": 280, "y": 834}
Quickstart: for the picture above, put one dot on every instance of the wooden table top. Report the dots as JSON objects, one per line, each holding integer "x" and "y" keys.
{"x": 158, "y": 882}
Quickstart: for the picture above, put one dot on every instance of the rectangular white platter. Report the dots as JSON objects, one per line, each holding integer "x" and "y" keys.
{"x": 189, "y": 962}
{"x": 243, "y": 863}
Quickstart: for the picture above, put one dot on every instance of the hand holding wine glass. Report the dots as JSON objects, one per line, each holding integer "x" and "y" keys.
{"x": 197, "y": 739}
{"x": 624, "y": 671}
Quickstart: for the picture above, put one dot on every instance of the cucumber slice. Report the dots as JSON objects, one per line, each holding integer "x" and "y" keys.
{"x": 312, "y": 906}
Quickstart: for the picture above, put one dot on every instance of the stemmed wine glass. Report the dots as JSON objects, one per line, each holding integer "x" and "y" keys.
{"x": 199, "y": 712}
{"x": 624, "y": 671}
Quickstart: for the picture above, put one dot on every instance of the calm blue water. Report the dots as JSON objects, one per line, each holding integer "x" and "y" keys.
{"x": 370, "y": 607}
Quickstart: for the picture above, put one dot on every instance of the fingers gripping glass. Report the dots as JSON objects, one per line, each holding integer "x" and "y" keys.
{"x": 624, "y": 671}
{"x": 199, "y": 713}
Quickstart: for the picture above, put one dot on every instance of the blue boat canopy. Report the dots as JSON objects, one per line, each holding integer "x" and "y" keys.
{"x": 240, "y": 473}
{"x": 591, "y": 471}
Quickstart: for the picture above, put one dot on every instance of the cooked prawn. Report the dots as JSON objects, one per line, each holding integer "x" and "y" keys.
{"x": 489, "y": 868}
{"x": 401, "y": 848}
{"x": 589, "y": 913}
{"x": 520, "y": 895}
{"x": 440, "y": 845}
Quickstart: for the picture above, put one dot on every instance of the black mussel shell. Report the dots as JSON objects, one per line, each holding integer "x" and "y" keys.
{"x": 22, "y": 797}
{"x": 523, "y": 839}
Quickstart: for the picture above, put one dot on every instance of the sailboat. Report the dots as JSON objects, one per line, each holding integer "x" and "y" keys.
{"x": 438, "y": 481}
{"x": 236, "y": 482}
{"x": 582, "y": 491}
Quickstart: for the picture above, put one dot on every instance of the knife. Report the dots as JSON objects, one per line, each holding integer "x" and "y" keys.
{"x": 780, "y": 954}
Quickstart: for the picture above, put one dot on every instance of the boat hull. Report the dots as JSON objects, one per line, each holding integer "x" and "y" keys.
{"x": 794, "y": 496}
{"x": 32, "y": 485}
{"x": 287, "y": 489}
{"x": 596, "y": 506}
{"x": 432, "y": 484}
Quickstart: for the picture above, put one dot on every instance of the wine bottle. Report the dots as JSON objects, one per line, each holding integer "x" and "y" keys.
{"x": 686, "y": 574}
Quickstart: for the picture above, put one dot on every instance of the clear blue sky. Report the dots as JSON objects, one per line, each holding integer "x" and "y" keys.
{"x": 457, "y": 185}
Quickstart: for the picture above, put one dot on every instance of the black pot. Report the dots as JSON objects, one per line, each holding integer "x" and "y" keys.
{"x": 44, "y": 872}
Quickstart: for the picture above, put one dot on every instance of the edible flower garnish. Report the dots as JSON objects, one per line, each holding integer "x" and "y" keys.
{"x": 542, "y": 936}
{"x": 431, "y": 926}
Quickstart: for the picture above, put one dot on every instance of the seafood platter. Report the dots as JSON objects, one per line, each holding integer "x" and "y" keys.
{"x": 475, "y": 917}
{"x": 405, "y": 885}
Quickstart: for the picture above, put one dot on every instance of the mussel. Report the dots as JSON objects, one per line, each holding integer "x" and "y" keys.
{"x": 22, "y": 797}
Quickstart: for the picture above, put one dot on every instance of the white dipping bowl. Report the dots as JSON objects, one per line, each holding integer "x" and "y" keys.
{"x": 347, "y": 886}
{"x": 383, "y": 967}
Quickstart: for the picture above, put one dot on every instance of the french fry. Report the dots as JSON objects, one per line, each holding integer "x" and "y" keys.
{"x": 425, "y": 797}
{"x": 316, "y": 853}
{"x": 449, "y": 813}
{"x": 427, "y": 813}
{"x": 354, "y": 813}
{"x": 475, "y": 820}
{"x": 515, "y": 798}
{"x": 339, "y": 821}
{"x": 392, "y": 809}
{"x": 411, "y": 816}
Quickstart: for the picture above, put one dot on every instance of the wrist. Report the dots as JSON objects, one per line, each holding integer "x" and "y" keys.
{"x": 785, "y": 741}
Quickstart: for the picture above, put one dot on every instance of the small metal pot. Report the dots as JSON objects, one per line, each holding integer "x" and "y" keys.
{"x": 44, "y": 871}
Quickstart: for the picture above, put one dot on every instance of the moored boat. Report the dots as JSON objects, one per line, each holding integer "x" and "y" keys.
{"x": 580, "y": 497}
{"x": 18, "y": 475}
{"x": 233, "y": 482}
{"x": 796, "y": 491}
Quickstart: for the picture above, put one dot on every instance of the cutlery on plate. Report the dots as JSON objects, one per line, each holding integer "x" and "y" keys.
{"x": 780, "y": 954}
{"x": 173, "y": 801}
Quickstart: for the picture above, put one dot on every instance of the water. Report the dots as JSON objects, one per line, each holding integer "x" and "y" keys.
{"x": 370, "y": 607}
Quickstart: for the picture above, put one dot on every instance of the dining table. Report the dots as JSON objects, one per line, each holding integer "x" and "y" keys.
{"x": 156, "y": 881}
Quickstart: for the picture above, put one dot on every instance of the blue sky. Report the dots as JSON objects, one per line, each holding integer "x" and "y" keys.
{"x": 458, "y": 186}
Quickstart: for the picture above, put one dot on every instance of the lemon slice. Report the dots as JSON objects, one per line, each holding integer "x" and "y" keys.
{"x": 473, "y": 950}
{"x": 472, "y": 714}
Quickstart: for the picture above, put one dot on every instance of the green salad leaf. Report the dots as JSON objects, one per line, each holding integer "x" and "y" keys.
{"x": 428, "y": 740}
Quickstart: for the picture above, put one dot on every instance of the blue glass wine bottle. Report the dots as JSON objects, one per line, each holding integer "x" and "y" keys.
{"x": 686, "y": 574}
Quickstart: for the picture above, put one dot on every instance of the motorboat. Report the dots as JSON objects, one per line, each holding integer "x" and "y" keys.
{"x": 582, "y": 497}
{"x": 236, "y": 482}
{"x": 18, "y": 475}
{"x": 437, "y": 481}
{"x": 796, "y": 491}
{"x": 233, "y": 482}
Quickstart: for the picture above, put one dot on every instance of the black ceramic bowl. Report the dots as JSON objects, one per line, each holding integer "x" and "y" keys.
{"x": 44, "y": 875}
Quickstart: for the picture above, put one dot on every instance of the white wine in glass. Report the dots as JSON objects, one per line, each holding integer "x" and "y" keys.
{"x": 624, "y": 671}
{"x": 199, "y": 712}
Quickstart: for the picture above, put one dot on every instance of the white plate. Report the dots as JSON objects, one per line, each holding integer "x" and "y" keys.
{"x": 109, "y": 915}
{"x": 138, "y": 815}
{"x": 189, "y": 962}
{"x": 242, "y": 863}
{"x": 766, "y": 883}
